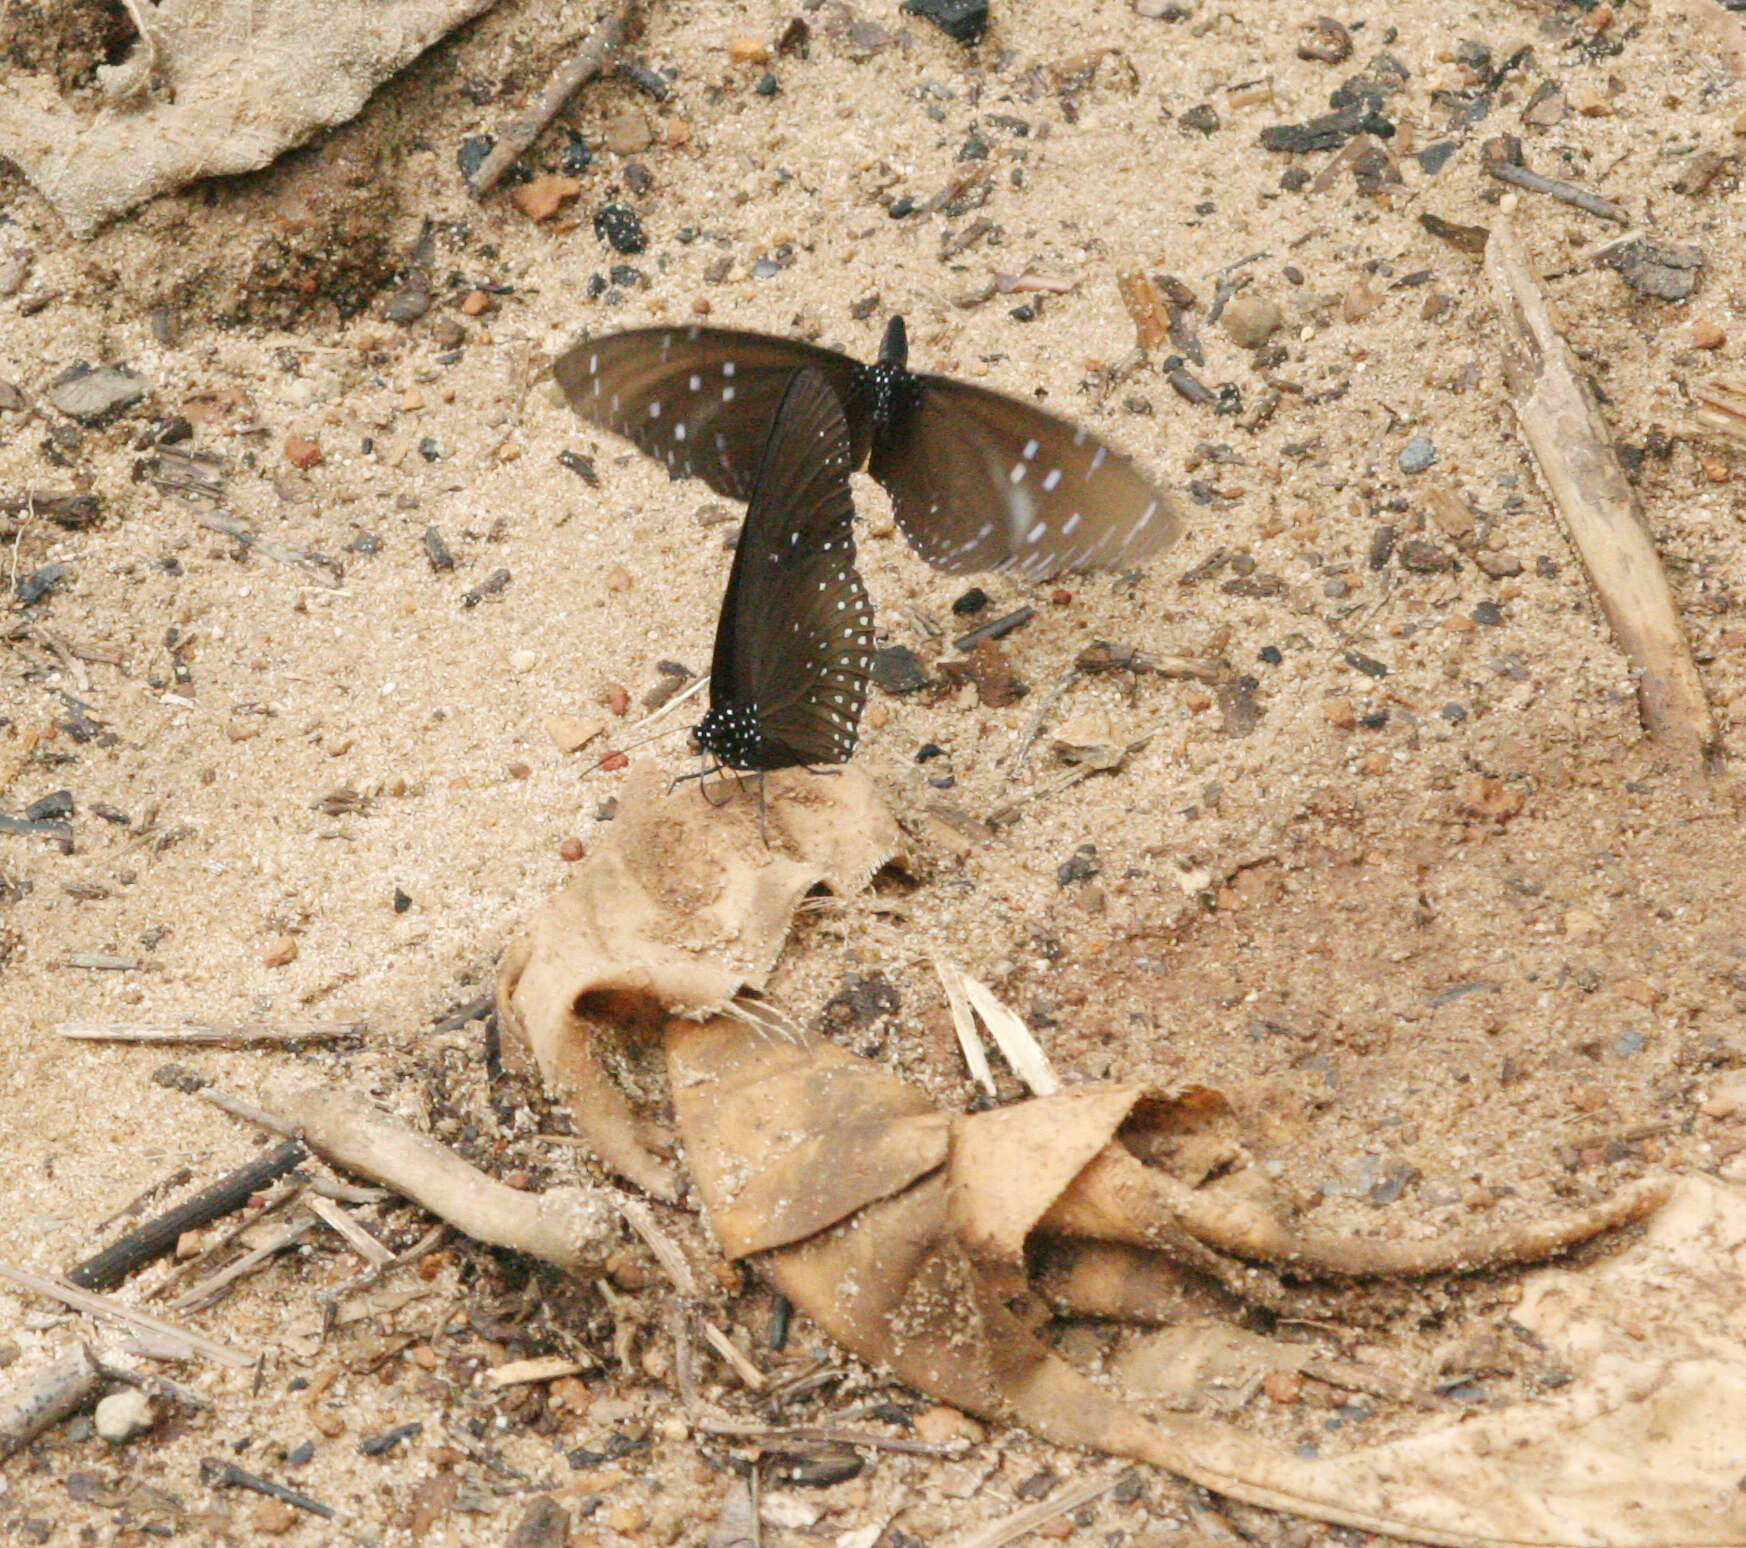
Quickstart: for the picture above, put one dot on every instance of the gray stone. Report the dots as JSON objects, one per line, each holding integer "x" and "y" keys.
{"x": 628, "y": 133}
{"x": 123, "y": 1415}
{"x": 544, "y": 1524}
{"x": 1250, "y": 321}
{"x": 1418, "y": 454}
{"x": 94, "y": 396}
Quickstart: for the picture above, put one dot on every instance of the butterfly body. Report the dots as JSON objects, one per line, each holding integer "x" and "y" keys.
{"x": 978, "y": 480}
{"x": 794, "y": 644}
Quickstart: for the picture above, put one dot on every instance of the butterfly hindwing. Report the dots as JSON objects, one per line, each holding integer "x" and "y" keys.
{"x": 982, "y": 481}
{"x": 794, "y": 644}
{"x": 701, "y": 401}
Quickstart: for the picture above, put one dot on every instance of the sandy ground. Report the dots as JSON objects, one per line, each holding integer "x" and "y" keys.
{"x": 1455, "y": 938}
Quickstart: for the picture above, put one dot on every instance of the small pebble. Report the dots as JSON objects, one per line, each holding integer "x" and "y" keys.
{"x": 541, "y": 198}
{"x": 475, "y": 303}
{"x": 745, "y": 50}
{"x": 1418, "y": 454}
{"x": 571, "y": 850}
{"x": 1250, "y": 321}
{"x": 282, "y": 953}
{"x": 1706, "y": 334}
{"x": 301, "y": 452}
{"x": 1627, "y": 1043}
{"x": 274, "y": 1517}
{"x": 91, "y": 397}
{"x": 767, "y": 85}
{"x": 123, "y": 1415}
{"x": 628, "y": 133}
{"x": 408, "y": 305}
{"x": 522, "y": 660}
{"x": 939, "y": 1425}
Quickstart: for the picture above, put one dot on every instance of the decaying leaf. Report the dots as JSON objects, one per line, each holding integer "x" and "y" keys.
{"x": 782, "y": 1137}
{"x": 680, "y": 907}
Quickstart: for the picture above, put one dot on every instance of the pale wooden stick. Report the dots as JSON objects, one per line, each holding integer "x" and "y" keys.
{"x": 361, "y": 1241}
{"x": 571, "y": 1227}
{"x": 45, "y": 1397}
{"x": 1562, "y": 424}
{"x": 104, "y": 1306}
{"x": 584, "y": 65}
{"x": 223, "y": 1034}
{"x": 1023, "y": 1522}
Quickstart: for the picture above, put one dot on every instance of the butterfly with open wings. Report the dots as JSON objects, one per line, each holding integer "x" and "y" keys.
{"x": 978, "y": 480}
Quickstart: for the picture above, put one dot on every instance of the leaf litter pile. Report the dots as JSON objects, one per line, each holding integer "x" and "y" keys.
{"x": 1351, "y": 898}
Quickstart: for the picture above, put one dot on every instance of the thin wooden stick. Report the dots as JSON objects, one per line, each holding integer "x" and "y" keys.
{"x": 103, "y": 1306}
{"x": 1558, "y": 188}
{"x": 1562, "y": 424}
{"x": 216, "y": 1034}
{"x": 587, "y": 62}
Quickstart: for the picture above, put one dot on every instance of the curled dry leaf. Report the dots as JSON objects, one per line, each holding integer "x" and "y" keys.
{"x": 676, "y": 910}
{"x": 901, "y": 1231}
{"x": 220, "y": 86}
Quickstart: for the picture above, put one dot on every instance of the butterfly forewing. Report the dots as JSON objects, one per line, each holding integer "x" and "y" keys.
{"x": 701, "y": 401}
{"x": 796, "y": 634}
{"x": 981, "y": 481}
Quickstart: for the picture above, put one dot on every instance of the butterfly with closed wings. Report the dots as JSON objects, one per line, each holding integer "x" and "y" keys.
{"x": 978, "y": 480}
{"x": 794, "y": 645}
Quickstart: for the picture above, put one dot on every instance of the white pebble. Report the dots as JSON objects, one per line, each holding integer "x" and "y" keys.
{"x": 522, "y": 660}
{"x": 123, "y": 1415}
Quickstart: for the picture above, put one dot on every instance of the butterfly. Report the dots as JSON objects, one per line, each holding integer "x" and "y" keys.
{"x": 794, "y": 644}
{"x": 978, "y": 480}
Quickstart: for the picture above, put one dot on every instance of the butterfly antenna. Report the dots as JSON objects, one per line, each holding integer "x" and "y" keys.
{"x": 673, "y": 703}
{"x": 631, "y": 747}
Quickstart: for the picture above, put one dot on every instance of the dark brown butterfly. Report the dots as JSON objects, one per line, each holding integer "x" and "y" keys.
{"x": 978, "y": 480}
{"x": 794, "y": 645}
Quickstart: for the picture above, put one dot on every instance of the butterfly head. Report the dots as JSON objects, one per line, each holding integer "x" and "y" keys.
{"x": 730, "y": 733}
{"x": 894, "y": 350}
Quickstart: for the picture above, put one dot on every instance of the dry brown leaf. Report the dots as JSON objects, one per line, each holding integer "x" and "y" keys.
{"x": 679, "y": 907}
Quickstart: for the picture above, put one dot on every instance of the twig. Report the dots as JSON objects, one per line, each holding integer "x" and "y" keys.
{"x": 820, "y": 1435}
{"x": 737, "y": 1362}
{"x": 1022, "y": 754}
{"x": 227, "y": 1475}
{"x": 1557, "y": 188}
{"x": 566, "y": 1226}
{"x": 106, "y": 1269}
{"x": 199, "y": 1265}
{"x": 217, "y": 1034}
{"x": 267, "y": 547}
{"x": 1562, "y": 423}
{"x": 103, "y": 1306}
{"x": 45, "y": 1397}
{"x": 1021, "y": 1522}
{"x": 361, "y": 1242}
{"x": 672, "y": 704}
{"x": 587, "y": 62}
{"x": 518, "y": 1373}
{"x": 247, "y": 1111}
{"x": 209, "y": 1290}
{"x": 641, "y": 1219}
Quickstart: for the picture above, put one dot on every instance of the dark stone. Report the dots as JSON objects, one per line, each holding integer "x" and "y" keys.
{"x": 1381, "y": 546}
{"x": 901, "y": 206}
{"x": 408, "y": 305}
{"x": 897, "y": 669}
{"x": 617, "y": 225}
{"x": 32, "y": 588}
{"x": 50, "y": 807}
{"x": 1468, "y": 239}
{"x": 437, "y": 551}
{"x": 489, "y": 587}
{"x": 381, "y": 1445}
{"x": 1270, "y": 654}
{"x": 1453, "y": 713}
{"x": 1425, "y": 558}
{"x": 1665, "y": 272}
{"x": 429, "y": 450}
{"x": 1200, "y": 120}
{"x": 1487, "y": 613}
{"x": 638, "y": 178}
{"x": 1432, "y": 158}
{"x": 651, "y": 82}
{"x": 1368, "y": 665}
{"x": 767, "y": 85}
{"x": 544, "y": 1524}
{"x": 1080, "y": 866}
{"x": 472, "y": 153}
{"x": 863, "y": 999}
{"x": 973, "y": 601}
{"x": 582, "y": 466}
{"x": 963, "y": 20}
